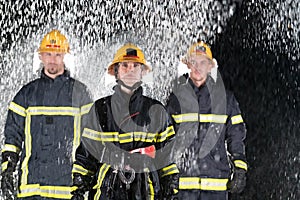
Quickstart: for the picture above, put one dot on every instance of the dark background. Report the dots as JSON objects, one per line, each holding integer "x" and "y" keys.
{"x": 266, "y": 82}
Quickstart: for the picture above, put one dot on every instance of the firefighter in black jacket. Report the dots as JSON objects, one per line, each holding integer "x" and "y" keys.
{"x": 43, "y": 128}
{"x": 209, "y": 129}
{"x": 120, "y": 127}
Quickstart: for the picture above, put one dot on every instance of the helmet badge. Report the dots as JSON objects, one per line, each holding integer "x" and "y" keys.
{"x": 200, "y": 49}
{"x": 131, "y": 53}
{"x": 52, "y": 41}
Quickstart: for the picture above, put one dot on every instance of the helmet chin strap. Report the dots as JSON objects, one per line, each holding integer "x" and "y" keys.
{"x": 131, "y": 88}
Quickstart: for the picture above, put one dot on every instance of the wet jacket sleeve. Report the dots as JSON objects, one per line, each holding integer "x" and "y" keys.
{"x": 165, "y": 146}
{"x": 236, "y": 134}
{"x": 82, "y": 97}
{"x": 15, "y": 123}
{"x": 173, "y": 107}
{"x": 85, "y": 163}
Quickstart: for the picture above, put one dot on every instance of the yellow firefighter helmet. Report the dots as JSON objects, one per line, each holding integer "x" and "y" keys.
{"x": 128, "y": 53}
{"x": 199, "y": 48}
{"x": 54, "y": 41}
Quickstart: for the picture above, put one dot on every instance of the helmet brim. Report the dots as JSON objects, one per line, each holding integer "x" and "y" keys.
{"x": 111, "y": 71}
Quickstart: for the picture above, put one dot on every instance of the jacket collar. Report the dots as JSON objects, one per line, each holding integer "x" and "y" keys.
{"x": 63, "y": 77}
{"x": 206, "y": 87}
{"x": 122, "y": 95}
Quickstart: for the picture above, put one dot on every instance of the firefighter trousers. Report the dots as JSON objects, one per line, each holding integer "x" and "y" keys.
{"x": 202, "y": 195}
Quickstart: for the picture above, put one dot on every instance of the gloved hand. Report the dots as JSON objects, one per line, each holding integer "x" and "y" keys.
{"x": 238, "y": 182}
{"x": 83, "y": 184}
{"x": 9, "y": 163}
{"x": 170, "y": 186}
{"x": 77, "y": 196}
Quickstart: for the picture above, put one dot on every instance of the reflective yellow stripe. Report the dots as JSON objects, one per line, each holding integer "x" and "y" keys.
{"x": 100, "y": 136}
{"x": 79, "y": 169}
{"x": 171, "y": 169}
{"x": 77, "y": 124}
{"x": 17, "y": 109}
{"x": 164, "y": 135}
{"x": 195, "y": 117}
{"x": 151, "y": 189}
{"x": 24, "y": 165}
{"x": 192, "y": 183}
{"x": 187, "y": 117}
{"x": 85, "y": 109}
{"x": 76, "y": 139}
{"x": 4, "y": 166}
{"x": 10, "y": 147}
{"x": 58, "y": 192}
{"x": 127, "y": 137}
{"x": 143, "y": 136}
{"x": 213, "y": 118}
{"x": 237, "y": 119}
{"x": 213, "y": 184}
{"x": 189, "y": 183}
{"x": 29, "y": 190}
{"x": 103, "y": 170}
{"x": 43, "y": 110}
{"x": 241, "y": 164}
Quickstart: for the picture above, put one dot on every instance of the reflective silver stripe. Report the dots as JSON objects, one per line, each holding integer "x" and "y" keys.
{"x": 127, "y": 137}
{"x": 29, "y": 190}
{"x": 76, "y": 139}
{"x": 68, "y": 111}
{"x": 195, "y": 117}
{"x": 187, "y": 117}
{"x": 79, "y": 169}
{"x": 77, "y": 127}
{"x": 17, "y": 109}
{"x": 237, "y": 119}
{"x": 86, "y": 108}
{"x": 191, "y": 183}
{"x": 151, "y": 189}
{"x": 213, "y": 184}
{"x": 213, "y": 118}
{"x": 171, "y": 169}
{"x": 143, "y": 136}
{"x": 241, "y": 164}
{"x": 102, "y": 172}
{"x": 58, "y": 192}
{"x": 100, "y": 136}
{"x": 24, "y": 165}
{"x": 43, "y": 110}
{"x": 165, "y": 134}
{"x": 10, "y": 147}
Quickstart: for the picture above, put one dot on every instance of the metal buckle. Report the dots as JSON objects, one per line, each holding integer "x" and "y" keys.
{"x": 127, "y": 181}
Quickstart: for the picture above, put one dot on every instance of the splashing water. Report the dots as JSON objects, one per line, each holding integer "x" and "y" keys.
{"x": 163, "y": 29}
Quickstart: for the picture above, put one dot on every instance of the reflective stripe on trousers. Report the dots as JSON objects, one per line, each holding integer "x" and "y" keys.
{"x": 191, "y": 183}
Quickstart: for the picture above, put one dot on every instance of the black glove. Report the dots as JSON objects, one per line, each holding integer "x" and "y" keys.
{"x": 77, "y": 196}
{"x": 238, "y": 182}
{"x": 7, "y": 180}
{"x": 170, "y": 186}
{"x": 83, "y": 184}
